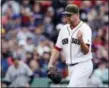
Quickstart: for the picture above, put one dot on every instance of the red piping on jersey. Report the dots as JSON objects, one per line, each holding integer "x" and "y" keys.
{"x": 57, "y": 48}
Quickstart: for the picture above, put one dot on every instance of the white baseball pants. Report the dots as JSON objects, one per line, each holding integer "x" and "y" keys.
{"x": 79, "y": 74}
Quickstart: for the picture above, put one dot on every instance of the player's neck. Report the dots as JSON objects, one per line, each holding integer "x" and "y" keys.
{"x": 74, "y": 24}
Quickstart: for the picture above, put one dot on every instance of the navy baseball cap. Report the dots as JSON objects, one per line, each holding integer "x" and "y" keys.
{"x": 71, "y": 9}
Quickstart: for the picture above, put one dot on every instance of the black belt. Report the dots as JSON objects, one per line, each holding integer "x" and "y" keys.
{"x": 72, "y": 64}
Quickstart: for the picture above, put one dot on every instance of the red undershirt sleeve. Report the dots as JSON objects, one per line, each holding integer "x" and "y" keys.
{"x": 57, "y": 48}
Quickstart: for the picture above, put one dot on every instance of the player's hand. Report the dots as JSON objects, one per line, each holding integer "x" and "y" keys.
{"x": 80, "y": 36}
{"x": 50, "y": 65}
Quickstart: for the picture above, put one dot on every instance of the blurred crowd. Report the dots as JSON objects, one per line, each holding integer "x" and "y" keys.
{"x": 30, "y": 28}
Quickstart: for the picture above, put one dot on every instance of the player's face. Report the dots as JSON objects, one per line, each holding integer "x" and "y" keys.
{"x": 67, "y": 18}
{"x": 71, "y": 18}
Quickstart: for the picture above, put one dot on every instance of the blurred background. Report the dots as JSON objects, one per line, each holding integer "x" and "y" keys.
{"x": 30, "y": 28}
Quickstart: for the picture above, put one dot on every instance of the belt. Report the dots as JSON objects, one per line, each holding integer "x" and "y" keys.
{"x": 72, "y": 64}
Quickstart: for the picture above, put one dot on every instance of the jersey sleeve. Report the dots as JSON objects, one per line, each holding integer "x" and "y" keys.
{"x": 58, "y": 45}
{"x": 87, "y": 35}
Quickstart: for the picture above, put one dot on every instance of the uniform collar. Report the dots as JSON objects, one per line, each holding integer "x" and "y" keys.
{"x": 75, "y": 26}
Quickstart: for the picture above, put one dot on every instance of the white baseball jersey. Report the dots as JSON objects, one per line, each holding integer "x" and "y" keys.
{"x": 68, "y": 42}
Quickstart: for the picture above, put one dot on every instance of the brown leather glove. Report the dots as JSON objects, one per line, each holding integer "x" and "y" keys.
{"x": 54, "y": 75}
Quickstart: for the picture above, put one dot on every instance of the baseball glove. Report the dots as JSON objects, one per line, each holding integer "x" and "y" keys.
{"x": 54, "y": 75}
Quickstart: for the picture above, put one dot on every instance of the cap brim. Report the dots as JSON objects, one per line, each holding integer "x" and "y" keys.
{"x": 67, "y": 13}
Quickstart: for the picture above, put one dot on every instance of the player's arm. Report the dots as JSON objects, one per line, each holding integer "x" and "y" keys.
{"x": 85, "y": 40}
{"x": 56, "y": 50}
{"x": 54, "y": 57}
{"x": 84, "y": 46}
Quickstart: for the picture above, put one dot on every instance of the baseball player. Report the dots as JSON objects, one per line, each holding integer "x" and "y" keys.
{"x": 74, "y": 40}
{"x": 18, "y": 74}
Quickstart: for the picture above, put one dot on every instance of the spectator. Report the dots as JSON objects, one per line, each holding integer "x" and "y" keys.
{"x": 36, "y": 56}
{"x": 34, "y": 65}
{"x": 44, "y": 63}
{"x": 18, "y": 74}
{"x": 95, "y": 81}
{"x": 49, "y": 27}
{"x": 38, "y": 34}
{"x": 8, "y": 22}
{"x": 3, "y": 33}
{"x": 17, "y": 21}
{"x": 29, "y": 46}
{"x": 24, "y": 34}
{"x": 43, "y": 47}
{"x": 26, "y": 4}
{"x": 13, "y": 4}
{"x": 28, "y": 57}
{"x": 62, "y": 23}
{"x": 37, "y": 12}
{"x": 5, "y": 54}
{"x": 102, "y": 72}
{"x": 19, "y": 49}
{"x": 32, "y": 22}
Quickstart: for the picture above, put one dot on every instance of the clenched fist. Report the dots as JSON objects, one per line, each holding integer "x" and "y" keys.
{"x": 80, "y": 36}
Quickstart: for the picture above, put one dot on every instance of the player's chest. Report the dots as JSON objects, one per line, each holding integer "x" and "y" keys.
{"x": 70, "y": 37}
